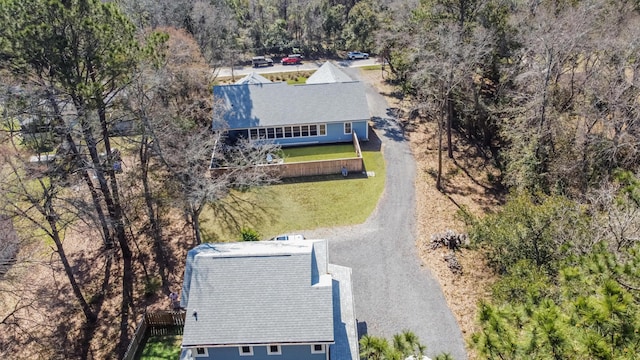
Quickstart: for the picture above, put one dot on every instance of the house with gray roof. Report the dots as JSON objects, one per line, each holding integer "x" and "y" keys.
{"x": 253, "y": 78}
{"x": 328, "y": 73}
{"x": 267, "y": 300}
{"x": 290, "y": 115}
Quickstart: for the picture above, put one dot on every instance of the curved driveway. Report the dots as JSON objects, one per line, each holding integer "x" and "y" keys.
{"x": 392, "y": 289}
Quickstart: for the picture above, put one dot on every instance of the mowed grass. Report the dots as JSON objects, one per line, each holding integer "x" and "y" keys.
{"x": 160, "y": 347}
{"x": 371, "y": 67}
{"x": 311, "y": 153}
{"x": 298, "y": 204}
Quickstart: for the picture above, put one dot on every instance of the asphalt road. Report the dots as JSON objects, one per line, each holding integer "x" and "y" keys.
{"x": 306, "y": 65}
{"x": 393, "y": 291}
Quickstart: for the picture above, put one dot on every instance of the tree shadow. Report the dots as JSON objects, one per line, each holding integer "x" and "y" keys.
{"x": 389, "y": 128}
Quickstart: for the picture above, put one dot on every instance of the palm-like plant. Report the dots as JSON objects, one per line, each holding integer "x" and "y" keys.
{"x": 408, "y": 344}
{"x": 404, "y": 345}
{"x": 374, "y": 348}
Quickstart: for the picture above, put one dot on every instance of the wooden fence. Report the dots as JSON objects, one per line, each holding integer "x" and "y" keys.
{"x": 311, "y": 168}
{"x": 155, "y": 323}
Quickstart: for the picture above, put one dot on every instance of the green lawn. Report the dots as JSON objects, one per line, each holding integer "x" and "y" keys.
{"x": 326, "y": 152}
{"x": 161, "y": 347}
{"x": 371, "y": 67}
{"x": 297, "y": 81}
{"x": 298, "y": 204}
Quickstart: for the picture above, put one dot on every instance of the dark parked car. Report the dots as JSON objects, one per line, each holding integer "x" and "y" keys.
{"x": 258, "y": 61}
{"x": 352, "y": 55}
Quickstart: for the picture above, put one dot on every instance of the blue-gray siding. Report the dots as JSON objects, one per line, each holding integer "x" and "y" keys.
{"x": 289, "y": 352}
{"x": 335, "y": 134}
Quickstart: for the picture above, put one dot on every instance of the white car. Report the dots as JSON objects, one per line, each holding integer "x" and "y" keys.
{"x": 352, "y": 55}
{"x": 285, "y": 237}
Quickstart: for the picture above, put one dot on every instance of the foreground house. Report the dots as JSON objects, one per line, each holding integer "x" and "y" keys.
{"x": 267, "y": 300}
{"x": 330, "y": 108}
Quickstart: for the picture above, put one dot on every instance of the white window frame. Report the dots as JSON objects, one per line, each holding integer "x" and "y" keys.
{"x": 250, "y": 353}
{"x": 195, "y": 352}
{"x": 322, "y": 129}
{"x": 350, "y": 128}
{"x": 269, "y": 352}
{"x": 314, "y": 351}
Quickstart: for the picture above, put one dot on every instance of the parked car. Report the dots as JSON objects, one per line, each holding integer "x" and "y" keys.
{"x": 352, "y": 55}
{"x": 285, "y": 237}
{"x": 258, "y": 61}
{"x": 292, "y": 60}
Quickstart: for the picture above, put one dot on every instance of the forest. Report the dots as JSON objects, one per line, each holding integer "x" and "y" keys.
{"x": 547, "y": 90}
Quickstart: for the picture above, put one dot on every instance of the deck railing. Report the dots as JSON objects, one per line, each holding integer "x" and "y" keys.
{"x": 354, "y": 165}
{"x": 152, "y": 323}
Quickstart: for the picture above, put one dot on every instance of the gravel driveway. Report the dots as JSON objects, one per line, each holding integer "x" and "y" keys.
{"x": 393, "y": 291}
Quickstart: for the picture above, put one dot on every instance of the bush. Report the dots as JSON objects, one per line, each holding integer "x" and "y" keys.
{"x": 151, "y": 286}
{"x": 248, "y": 234}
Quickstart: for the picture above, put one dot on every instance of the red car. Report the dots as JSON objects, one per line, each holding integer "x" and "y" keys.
{"x": 291, "y": 60}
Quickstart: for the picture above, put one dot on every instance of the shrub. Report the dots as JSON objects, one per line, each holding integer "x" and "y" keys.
{"x": 248, "y": 234}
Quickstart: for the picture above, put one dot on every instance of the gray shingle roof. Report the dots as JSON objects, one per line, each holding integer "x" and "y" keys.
{"x": 253, "y": 78}
{"x": 257, "y": 293}
{"x": 328, "y": 73}
{"x": 278, "y": 104}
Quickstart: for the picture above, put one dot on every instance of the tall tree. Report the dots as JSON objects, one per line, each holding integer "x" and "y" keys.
{"x": 593, "y": 315}
{"x": 362, "y": 22}
{"x": 451, "y": 50}
{"x": 80, "y": 51}
{"x": 569, "y": 119}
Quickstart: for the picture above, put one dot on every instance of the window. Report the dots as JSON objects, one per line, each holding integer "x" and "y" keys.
{"x": 287, "y": 132}
{"x": 317, "y": 349}
{"x": 323, "y": 129}
{"x": 271, "y": 133}
{"x": 274, "y": 350}
{"x": 246, "y": 350}
{"x": 279, "y": 133}
{"x": 313, "y": 130}
{"x": 262, "y": 133}
{"x": 296, "y": 131}
{"x": 305, "y": 130}
{"x": 254, "y": 134}
{"x": 347, "y": 128}
{"x": 201, "y": 352}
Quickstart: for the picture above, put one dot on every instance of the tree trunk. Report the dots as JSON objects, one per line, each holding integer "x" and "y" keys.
{"x": 440, "y": 130}
{"x": 117, "y": 216}
{"x": 449, "y": 121}
{"x": 107, "y": 238}
{"x": 114, "y": 209}
{"x": 156, "y": 229}
{"x": 55, "y": 236}
{"x": 195, "y": 225}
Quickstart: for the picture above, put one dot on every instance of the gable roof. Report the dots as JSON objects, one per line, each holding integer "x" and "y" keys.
{"x": 262, "y": 292}
{"x": 253, "y": 78}
{"x": 328, "y": 73}
{"x": 278, "y": 104}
